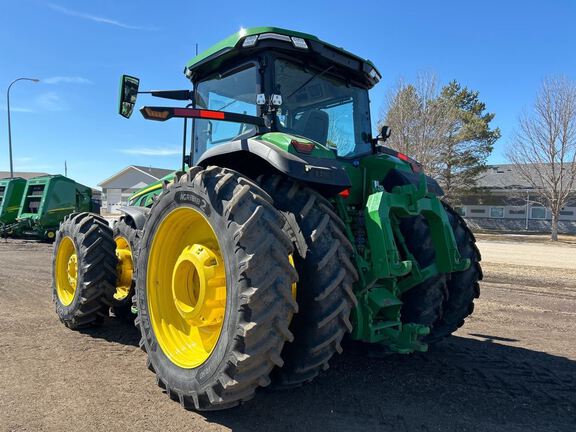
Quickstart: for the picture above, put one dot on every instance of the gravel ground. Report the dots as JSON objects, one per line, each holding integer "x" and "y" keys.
{"x": 512, "y": 367}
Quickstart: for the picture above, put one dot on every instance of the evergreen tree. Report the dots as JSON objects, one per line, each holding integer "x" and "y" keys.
{"x": 448, "y": 131}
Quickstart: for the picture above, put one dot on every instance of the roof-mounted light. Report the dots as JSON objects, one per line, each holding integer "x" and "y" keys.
{"x": 299, "y": 42}
{"x": 374, "y": 74}
{"x": 250, "y": 41}
{"x": 276, "y": 36}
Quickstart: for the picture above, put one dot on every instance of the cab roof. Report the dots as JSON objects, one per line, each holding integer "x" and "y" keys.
{"x": 236, "y": 46}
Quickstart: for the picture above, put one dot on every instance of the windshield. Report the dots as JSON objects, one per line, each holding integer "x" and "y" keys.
{"x": 236, "y": 93}
{"x": 323, "y": 108}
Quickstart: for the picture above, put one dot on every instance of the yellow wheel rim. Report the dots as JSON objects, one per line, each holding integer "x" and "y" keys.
{"x": 125, "y": 268}
{"x": 186, "y": 287}
{"x": 66, "y": 269}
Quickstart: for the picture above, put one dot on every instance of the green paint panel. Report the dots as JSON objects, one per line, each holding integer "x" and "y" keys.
{"x": 282, "y": 141}
{"x": 384, "y": 274}
{"x": 144, "y": 197}
{"x": 11, "y": 191}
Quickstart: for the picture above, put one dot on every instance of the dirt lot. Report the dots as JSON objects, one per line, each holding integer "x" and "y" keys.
{"x": 511, "y": 368}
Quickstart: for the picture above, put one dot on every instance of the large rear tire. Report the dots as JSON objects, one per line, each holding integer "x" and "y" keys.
{"x": 83, "y": 270}
{"x": 326, "y": 275}
{"x": 422, "y": 304}
{"x": 463, "y": 287}
{"x": 211, "y": 348}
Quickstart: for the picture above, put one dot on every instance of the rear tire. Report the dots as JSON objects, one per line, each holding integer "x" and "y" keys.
{"x": 463, "y": 287}
{"x": 127, "y": 240}
{"x": 422, "y": 304}
{"x": 83, "y": 270}
{"x": 258, "y": 304}
{"x": 326, "y": 275}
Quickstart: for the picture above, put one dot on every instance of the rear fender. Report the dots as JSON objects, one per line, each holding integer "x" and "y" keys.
{"x": 253, "y": 157}
{"x": 398, "y": 177}
{"x": 135, "y": 216}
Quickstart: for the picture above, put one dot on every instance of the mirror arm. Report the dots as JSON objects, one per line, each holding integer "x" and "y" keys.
{"x": 170, "y": 94}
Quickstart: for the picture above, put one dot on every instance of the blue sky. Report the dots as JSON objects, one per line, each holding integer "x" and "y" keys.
{"x": 80, "y": 48}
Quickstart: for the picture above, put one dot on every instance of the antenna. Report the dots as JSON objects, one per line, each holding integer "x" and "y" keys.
{"x": 196, "y": 48}
{"x": 65, "y": 169}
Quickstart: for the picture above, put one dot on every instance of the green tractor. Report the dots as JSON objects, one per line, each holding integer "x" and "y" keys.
{"x": 293, "y": 228}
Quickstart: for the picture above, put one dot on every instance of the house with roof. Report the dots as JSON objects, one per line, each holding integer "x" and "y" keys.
{"x": 117, "y": 189}
{"x": 24, "y": 175}
{"x": 505, "y": 200}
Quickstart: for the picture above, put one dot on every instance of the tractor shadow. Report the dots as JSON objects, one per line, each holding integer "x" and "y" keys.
{"x": 117, "y": 330}
{"x": 462, "y": 384}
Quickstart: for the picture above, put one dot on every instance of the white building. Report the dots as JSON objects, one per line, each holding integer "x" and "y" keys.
{"x": 116, "y": 190}
{"x": 504, "y": 200}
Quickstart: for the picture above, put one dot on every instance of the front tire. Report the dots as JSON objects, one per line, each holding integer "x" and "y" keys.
{"x": 83, "y": 270}
{"x": 211, "y": 349}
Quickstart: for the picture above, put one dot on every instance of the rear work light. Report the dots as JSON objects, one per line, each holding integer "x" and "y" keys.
{"x": 345, "y": 193}
{"x": 302, "y": 147}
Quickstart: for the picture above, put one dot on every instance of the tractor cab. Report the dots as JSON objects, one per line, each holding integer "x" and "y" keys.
{"x": 277, "y": 86}
{"x": 303, "y": 87}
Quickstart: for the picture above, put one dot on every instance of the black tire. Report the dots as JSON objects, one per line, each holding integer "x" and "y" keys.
{"x": 123, "y": 308}
{"x": 422, "y": 304}
{"x": 96, "y": 275}
{"x": 326, "y": 275}
{"x": 463, "y": 287}
{"x": 259, "y": 304}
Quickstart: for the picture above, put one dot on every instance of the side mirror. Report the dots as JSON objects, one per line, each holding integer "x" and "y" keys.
{"x": 128, "y": 94}
{"x": 385, "y": 133}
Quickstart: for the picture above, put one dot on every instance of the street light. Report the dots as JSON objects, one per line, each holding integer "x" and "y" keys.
{"x": 8, "y": 108}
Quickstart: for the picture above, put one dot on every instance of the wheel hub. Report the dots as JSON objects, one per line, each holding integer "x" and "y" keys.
{"x": 124, "y": 269}
{"x": 199, "y": 286}
{"x": 72, "y": 271}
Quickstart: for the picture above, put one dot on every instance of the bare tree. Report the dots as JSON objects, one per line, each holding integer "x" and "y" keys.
{"x": 419, "y": 120}
{"x": 544, "y": 147}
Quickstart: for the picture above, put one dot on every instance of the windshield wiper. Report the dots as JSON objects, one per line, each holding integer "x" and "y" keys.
{"x": 309, "y": 80}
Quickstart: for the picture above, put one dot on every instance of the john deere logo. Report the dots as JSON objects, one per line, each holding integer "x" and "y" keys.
{"x": 194, "y": 199}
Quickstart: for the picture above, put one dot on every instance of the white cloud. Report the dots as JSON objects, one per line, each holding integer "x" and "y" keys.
{"x": 148, "y": 151}
{"x": 94, "y": 18}
{"x": 66, "y": 80}
{"x": 50, "y": 101}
